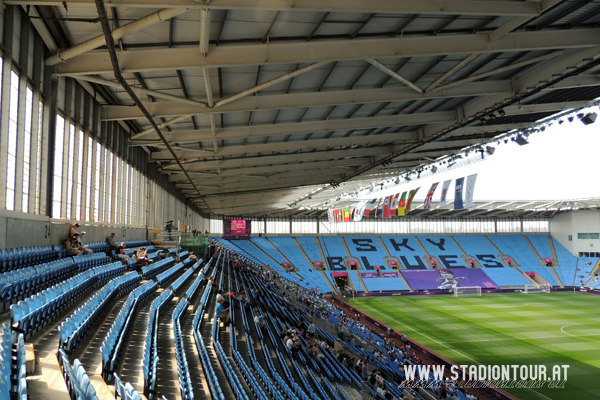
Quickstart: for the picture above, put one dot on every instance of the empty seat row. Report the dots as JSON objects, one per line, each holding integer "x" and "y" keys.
{"x": 111, "y": 345}
{"x": 90, "y": 261}
{"x": 179, "y": 282}
{"x": 12, "y": 369}
{"x": 26, "y": 256}
{"x": 231, "y": 375}
{"x": 31, "y": 313}
{"x": 125, "y": 391}
{"x": 168, "y": 274}
{"x": 185, "y": 380}
{"x": 99, "y": 247}
{"x": 24, "y": 281}
{"x": 78, "y": 382}
{"x": 157, "y": 267}
{"x": 75, "y": 327}
{"x": 150, "y": 356}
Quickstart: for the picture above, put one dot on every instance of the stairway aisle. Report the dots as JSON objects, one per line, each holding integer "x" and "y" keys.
{"x": 131, "y": 364}
{"x": 47, "y": 382}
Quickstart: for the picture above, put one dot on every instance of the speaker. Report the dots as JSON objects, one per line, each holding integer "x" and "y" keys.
{"x": 521, "y": 141}
{"x": 589, "y": 118}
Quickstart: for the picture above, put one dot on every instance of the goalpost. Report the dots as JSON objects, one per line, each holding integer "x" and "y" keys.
{"x": 536, "y": 289}
{"x": 468, "y": 290}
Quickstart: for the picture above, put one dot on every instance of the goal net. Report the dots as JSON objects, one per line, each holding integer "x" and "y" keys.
{"x": 468, "y": 290}
{"x": 536, "y": 289}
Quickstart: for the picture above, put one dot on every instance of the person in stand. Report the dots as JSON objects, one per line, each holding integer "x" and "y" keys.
{"x": 120, "y": 252}
{"x": 222, "y": 312}
{"x": 140, "y": 256}
{"x": 111, "y": 241}
{"x": 72, "y": 247}
{"x": 259, "y": 319}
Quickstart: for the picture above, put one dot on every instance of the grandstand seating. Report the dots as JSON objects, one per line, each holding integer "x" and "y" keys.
{"x": 312, "y": 279}
{"x": 10, "y": 363}
{"x": 382, "y": 284}
{"x": 506, "y": 276}
{"x": 168, "y": 274}
{"x": 310, "y": 247}
{"x": 265, "y": 246}
{"x": 111, "y": 345}
{"x": 77, "y": 379}
{"x": 185, "y": 381}
{"x": 407, "y": 250}
{"x": 516, "y": 247}
{"x": 26, "y": 256}
{"x": 153, "y": 269}
{"x": 478, "y": 247}
{"x": 334, "y": 252}
{"x": 368, "y": 250}
{"x": 444, "y": 249}
{"x": 541, "y": 244}
{"x": 544, "y": 272}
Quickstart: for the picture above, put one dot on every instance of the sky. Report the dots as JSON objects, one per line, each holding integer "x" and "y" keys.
{"x": 561, "y": 163}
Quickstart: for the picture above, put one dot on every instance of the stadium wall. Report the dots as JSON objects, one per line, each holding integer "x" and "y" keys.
{"x": 572, "y": 224}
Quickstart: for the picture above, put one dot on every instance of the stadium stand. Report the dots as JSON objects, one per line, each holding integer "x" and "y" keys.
{"x": 265, "y": 246}
{"x": 334, "y": 252}
{"x": 368, "y": 250}
{"x": 309, "y": 245}
{"x": 287, "y": 246}
{"x": 407, "y": 250}
{"x": 478, "y": 247}
{"x": 383, "y": 284}
{"x": 444, "y": 249}
{"x": 541, "y": 244}
{"x": 506, "y": 277}
{"x": 516, "y": 247}
{"x": 544, "y": 272}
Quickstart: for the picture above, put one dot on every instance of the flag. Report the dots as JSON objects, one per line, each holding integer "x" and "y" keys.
{"x": 394, "y": 205}
{"x": 335, "y": 215}
{"x": 402, "y": 204}
{"x": 470, "y": 190}
{"x": 347, "y": 214}
{"x": 411, "y": 196}
{"x": 385, "y": 213}
{"x": 351, "y": 213}
{"x": 359, "y": 211}
{"x": 444, "y": 195}
{"x": 330, "y": 216}
{"x": 458, "y": 194}
{"x": 379, "y": 204}
{"x": 427, "y": 204}
{"x": 370, "y": 207}
{"x": 341, "y": 214}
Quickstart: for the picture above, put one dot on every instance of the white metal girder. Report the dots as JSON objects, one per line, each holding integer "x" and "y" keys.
{"x": 426, "y": 7}
{"x": 280, "y": 159}
{"x": 310, "y": 99}
{"x": 300, "y": 127}
{"x": 328, "y": 50}
{"x": 270, "y": 184}
{"x": 514, "y": 23}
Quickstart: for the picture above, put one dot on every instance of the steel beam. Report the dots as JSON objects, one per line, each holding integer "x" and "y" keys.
{"x": 328, "y": 51}
{"x": 426, "y": 7}
{"x": 303, "y": 100}
{"x": 514, "y": 23}
{"x": 394, "y": 75}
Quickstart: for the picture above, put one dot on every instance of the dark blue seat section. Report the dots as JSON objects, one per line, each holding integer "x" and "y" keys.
{"x": 213, "y": 383}
{"x": 153, "y": 269}
{"x": 77, "y": 379}
{"x": 185, "y": 381}
{"x": 150, "y": 357}
{"x": 13, "y": 382}
{"x": 35, "y": 311}
{"x": 111, "y": 345}
{"x": 168, "y": 274}
{"x": 99, "y": 247}
{"x": 22, "y": 257}
{"x": 25, "y": 281}
{"x": 75, "y": 327}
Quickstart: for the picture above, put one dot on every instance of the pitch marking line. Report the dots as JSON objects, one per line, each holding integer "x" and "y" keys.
{"x": 438, "y": 342}
{"x": 577, "y": 336}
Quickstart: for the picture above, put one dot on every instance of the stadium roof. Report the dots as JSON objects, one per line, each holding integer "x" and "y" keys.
{"x": 265, "y": 102}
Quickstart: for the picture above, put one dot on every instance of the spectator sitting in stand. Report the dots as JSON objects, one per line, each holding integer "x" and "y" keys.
{"x": 162, "y": 255}
{"x": 193, "y": 257}
{"x": 120, "y": 252}
{"x": 111, "y": 241}
{"x": 140, "y": 256}
{"x": 259, "y": 319}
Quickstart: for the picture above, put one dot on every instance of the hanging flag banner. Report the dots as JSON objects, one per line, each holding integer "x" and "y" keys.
{"x": 411, "y": 196}
{"x": 444, "y": 195}
{"x": 427, "y": 204}
{"x": 394, "y": 205}
{"x": 335, "y": 216}
{"x": 341, "y": 215}
{"x": 330, "y": 216}
{"x": 370, "y": 207}
{"x": 470, "y": 190}
{"x": 385, "y": 213}
{"x": 379, "y": 205}
{"x": 360, "y": 211}
{"x": 458, "y": 194}
{"x": 402, "y": 205}
{"x": 347, "y": 214}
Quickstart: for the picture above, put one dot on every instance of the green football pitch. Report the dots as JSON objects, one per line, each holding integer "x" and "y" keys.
{"x": 505, "y": 329}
